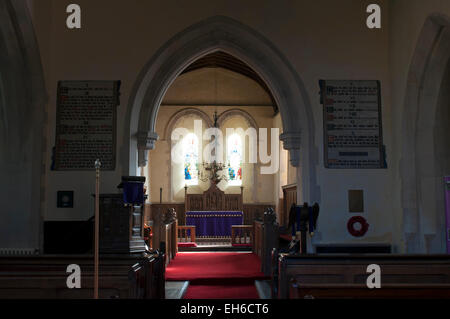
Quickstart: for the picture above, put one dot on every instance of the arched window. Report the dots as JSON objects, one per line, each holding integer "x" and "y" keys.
{"x": 190, "y": 156}
{"x": 234, "y": 156}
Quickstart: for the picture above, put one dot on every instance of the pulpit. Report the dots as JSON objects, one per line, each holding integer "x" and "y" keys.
{"x": 121, "y": 218}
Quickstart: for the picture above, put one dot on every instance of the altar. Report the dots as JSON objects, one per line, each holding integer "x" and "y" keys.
{"x": 213, "y": 212}
{"x": 214, "y": 224}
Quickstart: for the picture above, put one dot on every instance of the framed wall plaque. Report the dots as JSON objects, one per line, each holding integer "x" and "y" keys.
{"x": 352, "y": 124}
{"x": 86, "y": 124}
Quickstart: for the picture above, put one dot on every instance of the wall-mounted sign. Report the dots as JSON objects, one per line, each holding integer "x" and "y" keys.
{"x": 353, "y": 136}
{"x": 86, "y": 124}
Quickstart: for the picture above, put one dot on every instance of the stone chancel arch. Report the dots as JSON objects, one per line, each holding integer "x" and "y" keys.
{"x": 230, "y": 36}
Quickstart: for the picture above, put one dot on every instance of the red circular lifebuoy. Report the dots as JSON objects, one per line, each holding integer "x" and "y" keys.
{"x": 357, "y": 220}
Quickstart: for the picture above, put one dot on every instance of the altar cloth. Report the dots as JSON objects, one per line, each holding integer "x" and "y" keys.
{"x": 213, "y": 224}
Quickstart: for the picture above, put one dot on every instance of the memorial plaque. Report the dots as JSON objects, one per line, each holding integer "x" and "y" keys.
{"x": 86, "y": 124}
{"x": 352, "y": 124}
{"x": 355, "y": 200}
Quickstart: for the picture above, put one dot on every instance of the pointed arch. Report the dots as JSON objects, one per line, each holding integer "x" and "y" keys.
{"x": 425, "y": 76}
{"x": 230, "y": 36}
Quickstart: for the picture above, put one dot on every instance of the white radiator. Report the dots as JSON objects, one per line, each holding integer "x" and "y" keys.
{"x": 18, "y": 251}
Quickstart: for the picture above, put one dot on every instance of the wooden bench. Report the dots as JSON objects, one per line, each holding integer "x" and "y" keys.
{"x": 147, "y": 278}
{"x": 257, "y": 237}
{"x": 120, "y": 276}
{"x": 338, "y": 271}
{"x": 169, "y": 240}
{"x": 164, "y": 231}
{"x": 266, "y": 233}
{"x": 298, "y": 290}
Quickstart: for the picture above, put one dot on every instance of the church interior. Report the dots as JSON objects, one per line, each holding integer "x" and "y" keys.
{"x": 224, "y": 150}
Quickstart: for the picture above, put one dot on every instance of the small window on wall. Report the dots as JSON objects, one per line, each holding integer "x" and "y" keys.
{"x": 190, "y": 156}
{"x": 234, "y": 156}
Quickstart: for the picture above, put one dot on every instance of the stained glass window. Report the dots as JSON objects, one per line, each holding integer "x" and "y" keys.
{"x": 234, "y": 155}
{"x": 190, "y": 155}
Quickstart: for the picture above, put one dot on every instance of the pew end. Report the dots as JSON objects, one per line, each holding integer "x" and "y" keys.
{"x": 345, "y": 276}
{"x": 299, "y": 290}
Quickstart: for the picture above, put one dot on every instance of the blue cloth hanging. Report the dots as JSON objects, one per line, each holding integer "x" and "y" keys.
{"x": 297, "y": 220}
{"x": 133, "y": 193}
{"x": 311, "y": 219}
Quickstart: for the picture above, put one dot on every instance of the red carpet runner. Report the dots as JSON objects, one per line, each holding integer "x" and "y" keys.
{"x": 217, "y": 275}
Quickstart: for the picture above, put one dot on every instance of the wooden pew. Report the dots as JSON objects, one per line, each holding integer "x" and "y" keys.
{"x": 170, "y": 240}
{"x": 266, "y": 235}
{"x": 419, "y": 271}
{"x": 289, "y": 198}
{"x": 147, "y": 278}
{"x": 45, "y": 276}
{"x": 161, "y": 217}
{"x": 257, "y": 237}
{"x": 165, "y": 233}
{"x": 298, "y": 290}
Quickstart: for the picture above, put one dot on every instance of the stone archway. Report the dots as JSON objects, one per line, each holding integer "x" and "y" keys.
{"x": 417, "y": 171}
{"x": 22, "y": 112}
{"x": 181, "y": 114}
{"x": 228, "y": 35}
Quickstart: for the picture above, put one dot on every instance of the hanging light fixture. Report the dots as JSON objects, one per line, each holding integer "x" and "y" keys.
{"x": 214, "y": 171}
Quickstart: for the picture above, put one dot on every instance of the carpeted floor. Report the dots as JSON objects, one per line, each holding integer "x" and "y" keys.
{"x": 217, "y": 275}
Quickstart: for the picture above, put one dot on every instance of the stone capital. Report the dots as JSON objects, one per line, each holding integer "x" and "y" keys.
{"x": 145, "y": 142}
{"x": 292, "y": 142}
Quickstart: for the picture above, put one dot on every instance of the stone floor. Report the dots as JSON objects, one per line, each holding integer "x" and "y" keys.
{"x": 176, "y": 289}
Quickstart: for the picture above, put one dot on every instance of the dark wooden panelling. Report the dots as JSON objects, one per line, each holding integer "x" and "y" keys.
{"x": 214, "y": 199}
{"x": 159, "y": 209}
{"x": 45, "y": 276}
{"x": 414, "y": 270}
{"x": 254, "y": 212}
{"x": 68, "y": 237}
{"x": 289, "y": 198}
{"x": 251, "y": 211}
